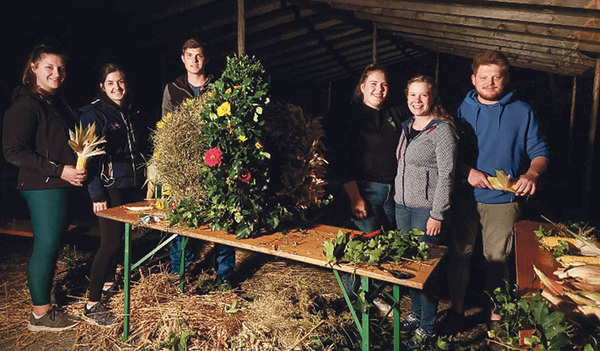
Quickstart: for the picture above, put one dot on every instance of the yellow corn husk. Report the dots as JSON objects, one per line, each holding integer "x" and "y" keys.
{"x": 552, "y": 241}
{"x": 502, "y": 182}
{"x": 81, "y": 162}
{"x": 569, "y": 260}
{"x": 84, "y": 142}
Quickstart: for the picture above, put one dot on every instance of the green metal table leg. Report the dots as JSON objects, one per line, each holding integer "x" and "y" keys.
{"x": 396, "y": 292}
{"x": 364, "y": 333}
{"x": 348, "y": 302}
{"x": 126, "y": 283}
{"x": 184, "y": 241}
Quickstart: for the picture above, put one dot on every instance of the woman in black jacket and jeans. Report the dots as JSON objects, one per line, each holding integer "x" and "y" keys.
{"x": 36, "y": 134}
{"x": 115, "y": 179}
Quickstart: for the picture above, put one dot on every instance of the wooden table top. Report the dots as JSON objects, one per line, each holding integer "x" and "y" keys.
{"x": 528, "y": 253}
{"x": 304, "y": 245}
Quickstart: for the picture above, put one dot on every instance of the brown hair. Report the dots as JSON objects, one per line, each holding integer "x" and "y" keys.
{"x": 194, "y": 44}
{"x": 108, "y": 69}
{"x": 490, "y": 58}
{"x": 437, "y": 110}
{"x": 29, "y": 79}
{"x": 358, "y": 95}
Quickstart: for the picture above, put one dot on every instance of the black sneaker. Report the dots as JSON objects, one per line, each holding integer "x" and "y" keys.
{"x": 98, "y": 315}
{"x": 454, "y": 322}
{"x": 410, "y": 323}
{"x": 53, "y": 320}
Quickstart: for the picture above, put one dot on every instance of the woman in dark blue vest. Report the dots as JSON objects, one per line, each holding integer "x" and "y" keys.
{"x": 115, "y": 178}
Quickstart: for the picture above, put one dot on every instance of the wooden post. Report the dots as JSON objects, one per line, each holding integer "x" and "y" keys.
{"x": 241, "y": 28}
{"x": 589, "y": 164}
{"x": 329, "y": 96}
{"x": 437, "y": 67}
{"x": 572, "y": 123}
{"x": 374, "y": 43}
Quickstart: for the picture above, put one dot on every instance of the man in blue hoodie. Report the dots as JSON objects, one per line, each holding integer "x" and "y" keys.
{"x": 504, "y": 136}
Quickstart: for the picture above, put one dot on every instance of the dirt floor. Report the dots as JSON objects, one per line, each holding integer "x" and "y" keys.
{"x": 275, "y": 305}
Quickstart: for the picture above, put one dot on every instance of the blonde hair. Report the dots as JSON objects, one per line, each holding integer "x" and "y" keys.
{"x": 437, "y": 110}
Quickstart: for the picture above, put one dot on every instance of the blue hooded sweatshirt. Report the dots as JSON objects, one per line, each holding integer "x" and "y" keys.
{"x": 505, "y": 132}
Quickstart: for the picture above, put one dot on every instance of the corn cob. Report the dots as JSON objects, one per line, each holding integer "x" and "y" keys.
{"x": 568, "y": 260}
{"x": 552, "y": 241}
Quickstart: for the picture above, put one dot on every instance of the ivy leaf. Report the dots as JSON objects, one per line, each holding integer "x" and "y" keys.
{"x": 243, "y": 231}
{"x": 329, "y": 247}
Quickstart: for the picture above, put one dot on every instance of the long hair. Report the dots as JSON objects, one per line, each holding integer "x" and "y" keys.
{"x": 437, "y": 110}
{"x": 358, "y": 95}
{"x": 29, "y": 79}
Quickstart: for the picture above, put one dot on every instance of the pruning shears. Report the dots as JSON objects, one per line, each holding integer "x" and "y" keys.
{"x": 365, "y": 236}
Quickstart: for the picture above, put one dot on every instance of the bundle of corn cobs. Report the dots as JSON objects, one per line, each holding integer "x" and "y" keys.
{"x": 577, "y": 289}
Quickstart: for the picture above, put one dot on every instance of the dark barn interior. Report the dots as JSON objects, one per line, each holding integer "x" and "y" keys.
{"x": 314, "y": 51}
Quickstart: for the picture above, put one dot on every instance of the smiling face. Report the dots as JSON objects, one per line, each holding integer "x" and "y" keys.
{"x": 49, "y": 73}
{"x": 419, "y": 99}
{"x": 193, "y": 59}
{"x": 374, "y": 90}
{"x": 489, "y": 82}
{"x": 115, "y": 87}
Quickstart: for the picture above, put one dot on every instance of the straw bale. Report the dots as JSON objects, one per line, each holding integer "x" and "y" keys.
{"x": 179, "y": 150}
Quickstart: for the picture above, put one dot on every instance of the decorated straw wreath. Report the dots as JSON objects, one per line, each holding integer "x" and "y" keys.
{"x": 237, "y": 162}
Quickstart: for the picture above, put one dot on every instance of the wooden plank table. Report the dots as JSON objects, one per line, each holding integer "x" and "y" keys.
{"x": 303, "y": 245}
{"x": 528, "y": 254}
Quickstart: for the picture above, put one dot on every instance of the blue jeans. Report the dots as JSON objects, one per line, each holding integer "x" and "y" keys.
{"x": 224, "y": 261}
{"x": 423, "y": 303}
{"x": 379, "y": 198}
{"x": 175, "y": 255}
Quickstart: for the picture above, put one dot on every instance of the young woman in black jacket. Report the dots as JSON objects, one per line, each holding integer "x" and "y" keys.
{"x": 115, "y": 179}
{"x": 36, "y": 134}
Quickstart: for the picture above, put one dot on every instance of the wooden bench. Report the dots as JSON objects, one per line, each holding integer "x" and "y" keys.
{"x": 21, "y": 227}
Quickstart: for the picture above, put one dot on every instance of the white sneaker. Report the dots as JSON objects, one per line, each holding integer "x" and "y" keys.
{"x": 383, "y": 307}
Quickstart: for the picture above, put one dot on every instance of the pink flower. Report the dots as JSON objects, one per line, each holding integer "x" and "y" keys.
{"x": 213, "y": 157}
{"x": 246, "y": 177}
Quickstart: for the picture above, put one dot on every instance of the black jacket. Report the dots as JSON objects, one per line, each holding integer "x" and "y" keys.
{"x": 178, "y": 91}
{"x": 365, "y": 143}
{"x": 122, "y": 166}
{"x": 35, "y": 139}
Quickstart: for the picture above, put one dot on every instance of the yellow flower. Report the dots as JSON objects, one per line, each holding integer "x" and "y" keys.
{"x": 242, "y": 137}
{"x": 167, "y": 116}
{"x": 236, "y": 87}
{"x": 224, "y": 109}
{"x": 166, "y": 190}
{"x": 229, "y": 181}
{"x": 156, "y": 153}
{"x": 228, "y": 91}
{"x": 210, "y": 95}
{"x": 258, "y": 144}
{"x": 160, "y": 124}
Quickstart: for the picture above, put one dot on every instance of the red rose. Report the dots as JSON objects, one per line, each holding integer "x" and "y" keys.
{"x": 213, "y": 157}
{"x": 246, "y": 176}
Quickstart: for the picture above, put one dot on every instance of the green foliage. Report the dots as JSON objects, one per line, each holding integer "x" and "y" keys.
{"x": 177, "y": 341}
{"x": 387, "y": 246}
{"x": 551, "y": 330}
{"x": 186, "y": 213}
{"x": 541, "y": 232}
{"x": 236, "y": 189}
